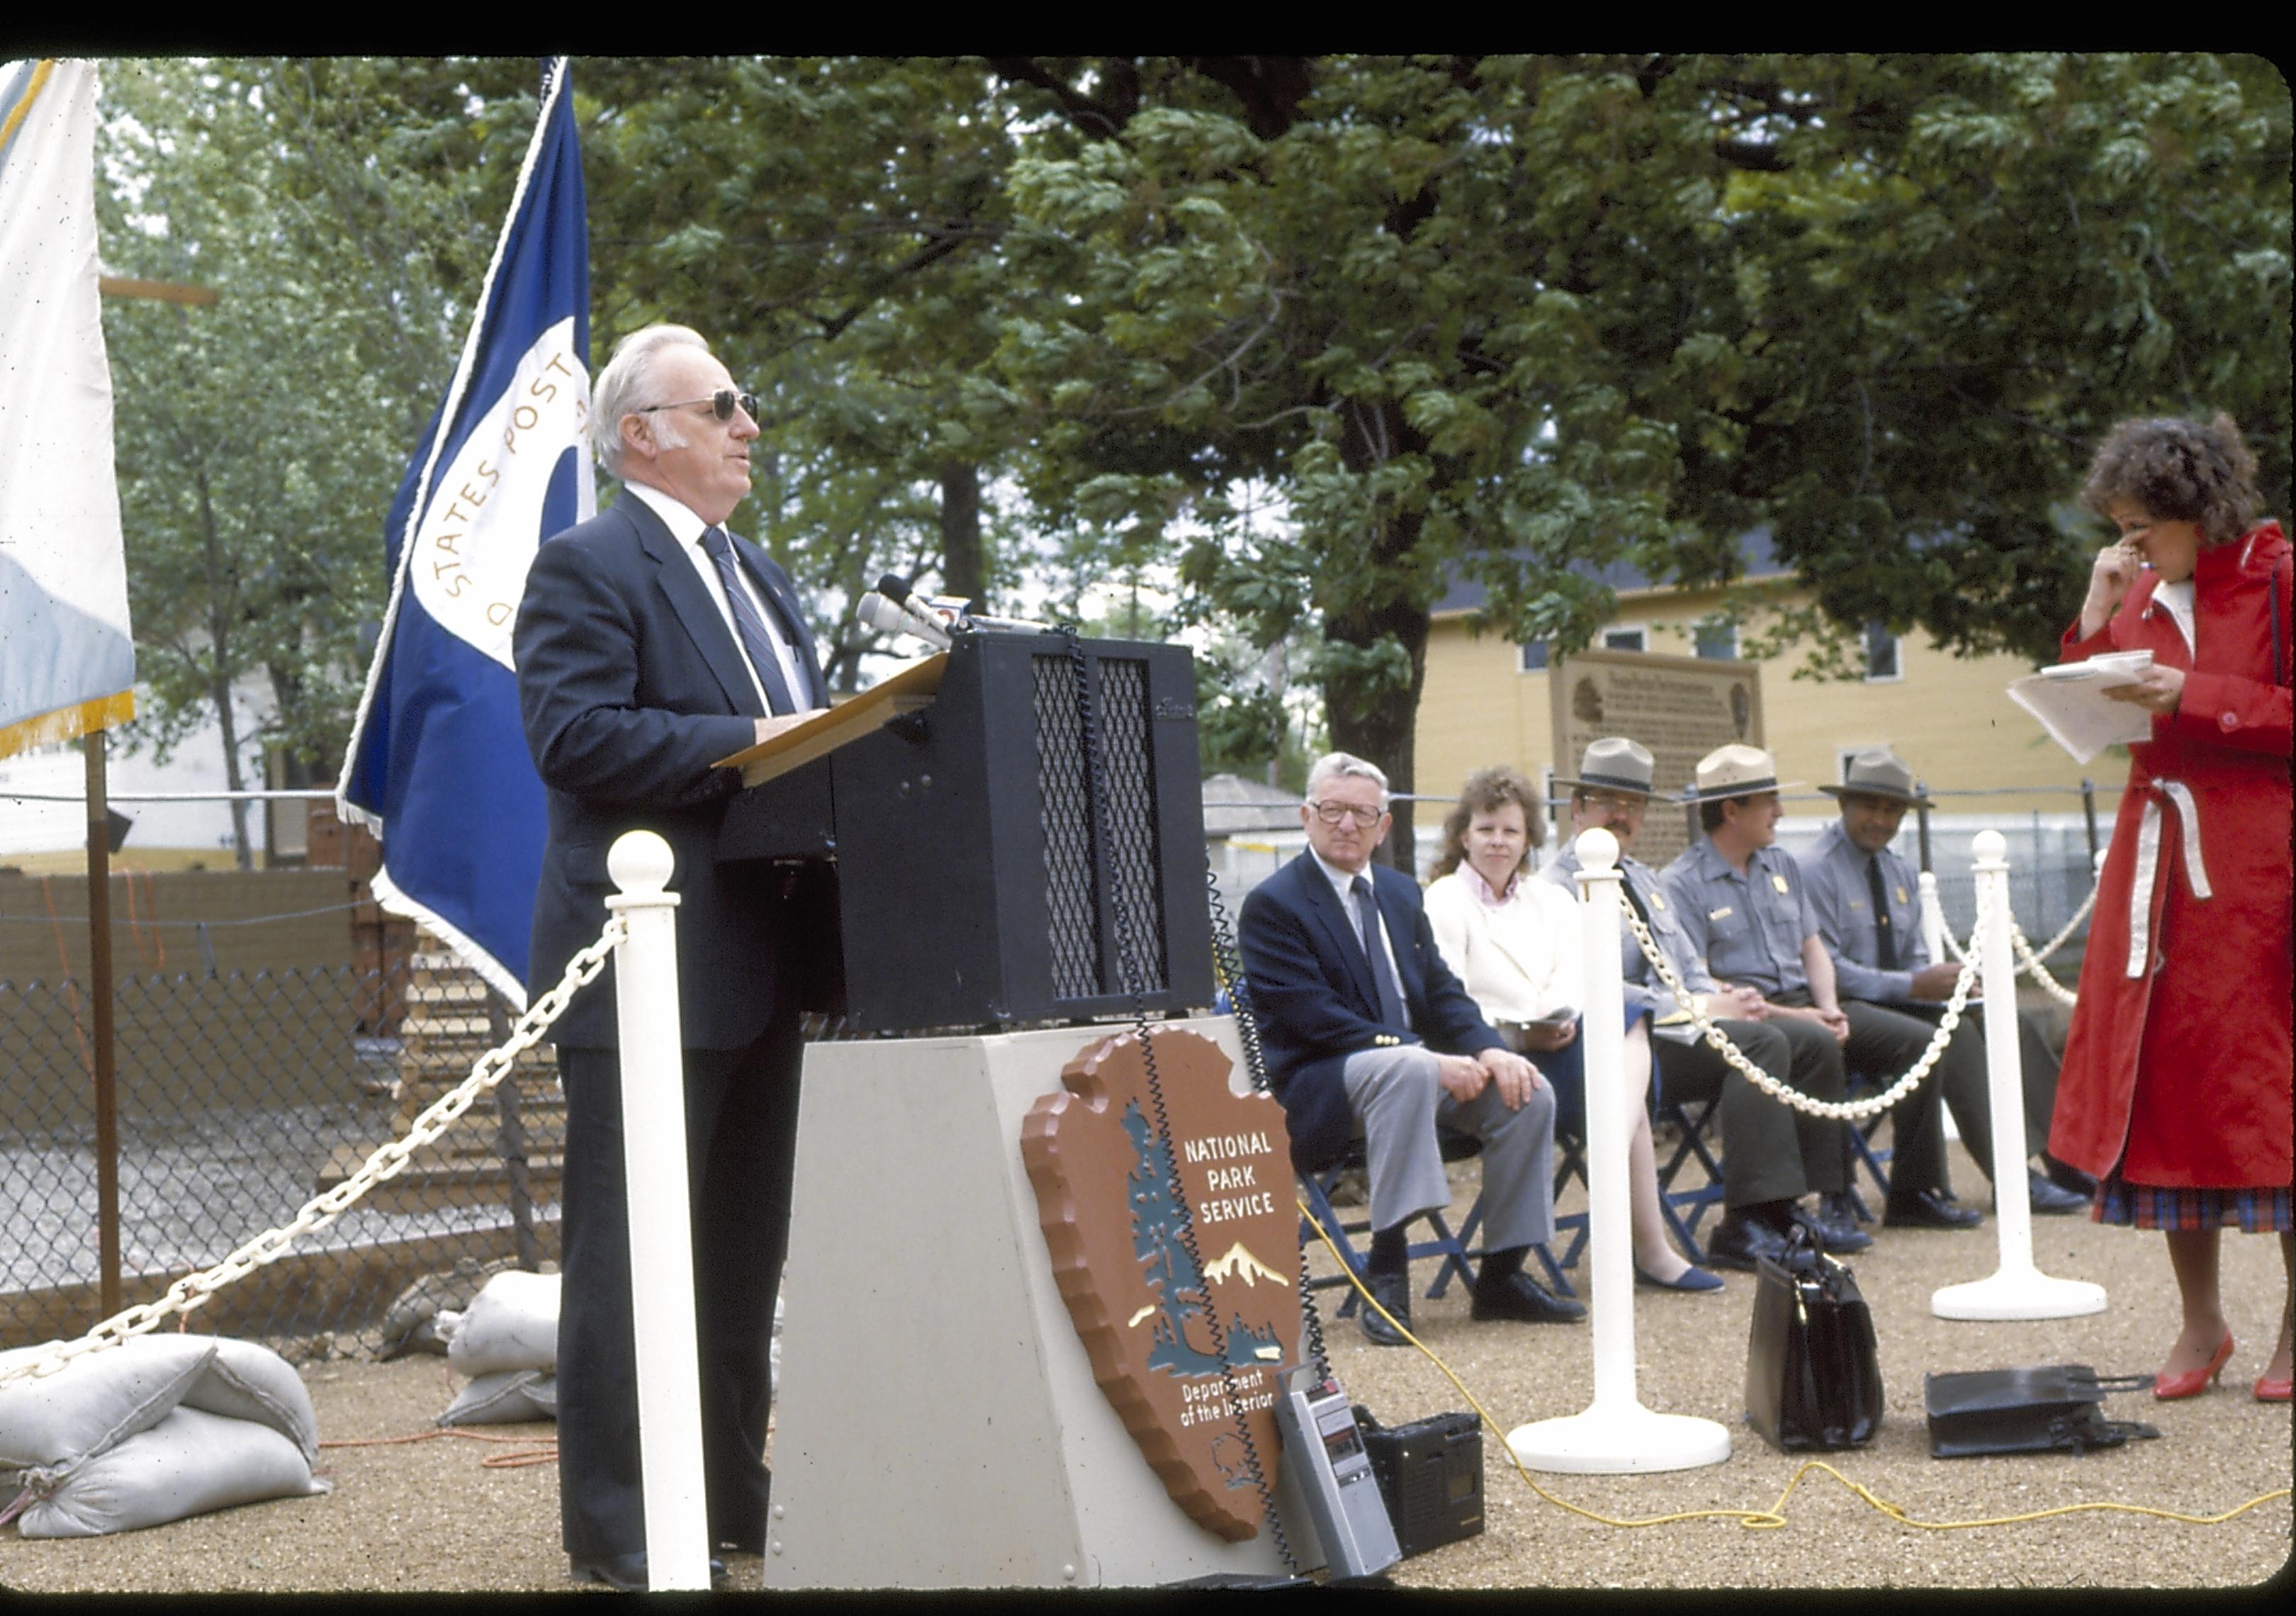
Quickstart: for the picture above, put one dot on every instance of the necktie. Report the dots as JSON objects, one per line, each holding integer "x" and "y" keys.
{"x": 1885, "y": 934}
{"x": 755, "y": 638}
{"x": 1635, "y": 902}
{"x": 1382, "y": 977}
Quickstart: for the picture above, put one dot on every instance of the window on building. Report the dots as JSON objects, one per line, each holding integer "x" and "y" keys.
{"x": 1626, "y": 639}
{"x": 1716, "y": 642}
{"x": 1882, "y": 653}
{"x": 1534, "y": 656}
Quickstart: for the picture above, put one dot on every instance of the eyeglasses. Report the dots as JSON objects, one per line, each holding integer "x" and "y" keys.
{"x": 1331, "y": 813}
{"x": 721, "y": 404}
{"x": 1612, "y": 802}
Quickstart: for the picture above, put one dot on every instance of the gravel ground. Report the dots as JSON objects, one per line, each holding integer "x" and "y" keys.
{"x": 428, "y": 1516}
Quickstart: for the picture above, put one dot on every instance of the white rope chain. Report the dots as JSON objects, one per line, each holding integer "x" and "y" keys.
{"x": 2031, "y": 966}
{"x": 1845, "y": 1111}
{"x": 388, "y": 1161}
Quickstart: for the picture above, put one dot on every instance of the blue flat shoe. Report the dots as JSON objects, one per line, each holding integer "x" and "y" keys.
{"x": 1693, "y": 1278}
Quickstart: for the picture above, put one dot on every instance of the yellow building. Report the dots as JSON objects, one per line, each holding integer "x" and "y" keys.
{"x": 1487, "y": 700}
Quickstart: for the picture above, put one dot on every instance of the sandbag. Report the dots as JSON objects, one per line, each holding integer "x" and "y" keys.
{"x": 505, "y": 1397}
{"x": 510, "y": 1323}
{"x": 248, "y": 1381}
{"x": 188, "y": 1464}
{"x": 97, "y": 1399}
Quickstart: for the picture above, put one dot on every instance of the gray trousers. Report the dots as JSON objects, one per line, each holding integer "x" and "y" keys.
{"x": 1398, "y": 1100}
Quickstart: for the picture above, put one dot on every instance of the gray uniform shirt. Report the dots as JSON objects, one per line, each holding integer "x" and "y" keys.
{"x": 1842, "y": 896}
{"x": 1644, "y": 991}
{"x": 1748, "y": 928}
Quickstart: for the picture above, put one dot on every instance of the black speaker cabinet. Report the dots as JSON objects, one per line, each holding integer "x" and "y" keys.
{"x": 976, "y": 885}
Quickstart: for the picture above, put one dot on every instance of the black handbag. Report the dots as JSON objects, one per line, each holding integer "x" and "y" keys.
{"x": 1813, "y": 1378}
{"x": 2033, "y": 1408}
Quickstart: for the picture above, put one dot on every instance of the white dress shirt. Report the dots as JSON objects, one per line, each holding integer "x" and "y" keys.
{"x": 1344, "y": 884}
{"x": 687, "y": 528}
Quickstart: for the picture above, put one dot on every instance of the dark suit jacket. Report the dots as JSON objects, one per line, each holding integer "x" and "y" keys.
{"x": 1312, "y": 996}
{"x": 630, "y": 686}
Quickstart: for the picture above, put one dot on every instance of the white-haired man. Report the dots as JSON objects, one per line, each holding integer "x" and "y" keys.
{"x": 650, "y": 643}
{"x": 1366, "y": 1030}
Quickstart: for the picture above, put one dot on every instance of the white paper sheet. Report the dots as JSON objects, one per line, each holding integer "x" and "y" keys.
{"x": 2070, "y": 702}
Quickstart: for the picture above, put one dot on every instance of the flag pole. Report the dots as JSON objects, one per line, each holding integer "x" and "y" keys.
{"x": 99, "y": 990}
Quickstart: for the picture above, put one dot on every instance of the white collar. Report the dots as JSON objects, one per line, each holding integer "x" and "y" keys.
{"x": 1343, "y": 882}
{"x": 684, "y": 524}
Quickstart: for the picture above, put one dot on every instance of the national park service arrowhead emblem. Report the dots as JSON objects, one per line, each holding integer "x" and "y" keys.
{"x": 1188, "y": 1346}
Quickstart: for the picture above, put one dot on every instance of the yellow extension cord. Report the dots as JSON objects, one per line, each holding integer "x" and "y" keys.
{"x": 1758, "y": 1520}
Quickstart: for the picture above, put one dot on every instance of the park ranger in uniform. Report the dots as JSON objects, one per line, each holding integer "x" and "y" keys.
{"x": 1868, "y": 909}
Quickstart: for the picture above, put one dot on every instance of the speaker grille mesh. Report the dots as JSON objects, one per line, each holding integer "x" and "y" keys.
{"x": 1074, "y": 893}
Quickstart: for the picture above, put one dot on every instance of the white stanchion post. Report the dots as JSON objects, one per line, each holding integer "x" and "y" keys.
{"x": 1615, "y": 1433}
{"x": 2017, "y": 1289}
{"x": 661, "y": 1255}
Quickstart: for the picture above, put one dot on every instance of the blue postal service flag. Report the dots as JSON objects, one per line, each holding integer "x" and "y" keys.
{"x": 438, "y": 765}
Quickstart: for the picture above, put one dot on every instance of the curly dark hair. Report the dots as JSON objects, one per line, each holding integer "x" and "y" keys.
{"x": 2178, "y": 470}
{"x": 1488, "y": 789}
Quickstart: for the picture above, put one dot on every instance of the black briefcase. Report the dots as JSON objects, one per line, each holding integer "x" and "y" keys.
{"x": 1813, "y": 1375}
{"x": 2032, "y": 1408}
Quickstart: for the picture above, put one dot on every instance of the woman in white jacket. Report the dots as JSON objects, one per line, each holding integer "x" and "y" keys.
{"x": 1514, "y": 941}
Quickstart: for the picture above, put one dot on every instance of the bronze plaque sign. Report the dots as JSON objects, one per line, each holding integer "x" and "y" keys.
{"x": 1681, "y": 708}
{"x": 1188, "y": 1355}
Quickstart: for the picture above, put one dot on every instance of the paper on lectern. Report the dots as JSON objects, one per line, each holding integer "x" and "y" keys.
{"x": 2070, "y": 702}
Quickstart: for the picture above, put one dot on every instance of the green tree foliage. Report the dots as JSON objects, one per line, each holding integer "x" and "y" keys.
{"x": 1305, "y": 341}
{"x": 332, "y": 207}
{"x": 1515, "y": 318}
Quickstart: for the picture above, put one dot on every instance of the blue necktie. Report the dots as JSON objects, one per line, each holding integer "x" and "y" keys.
{"x": 755, "y": 638}
{"x": 1390, "y": 1000}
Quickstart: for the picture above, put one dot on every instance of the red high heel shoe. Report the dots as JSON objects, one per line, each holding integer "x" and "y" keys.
{"x": 2192, "y": 1381}
{"x": 2271, "y": 1390}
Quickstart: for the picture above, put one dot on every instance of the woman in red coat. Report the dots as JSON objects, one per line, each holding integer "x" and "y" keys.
{"x": 2177, "y": 1071}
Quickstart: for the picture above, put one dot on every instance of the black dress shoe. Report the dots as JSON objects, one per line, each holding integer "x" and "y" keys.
{"x": 1524, "y": 1298}
{"x": 2050, "y": 1200}
{"x": 1843, "y": 1208}
{"x": 2066, "y": 1176}
{"x": 1741, "y": 1242}
{"x": 1834, "y": 1239}
{"x": 1393, "y": 1293}
{"x": 627, "y": 1572}
{"x": 1931, "y": 1209}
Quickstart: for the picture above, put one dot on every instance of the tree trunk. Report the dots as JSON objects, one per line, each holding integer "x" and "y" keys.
{"x": 1377, "y": 722}
{"x": 963, "y": 567}
{"x": 1367, "y": 716}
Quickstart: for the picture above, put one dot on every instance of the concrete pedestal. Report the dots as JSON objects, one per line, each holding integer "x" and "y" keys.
{"x": 938, "y": 1425}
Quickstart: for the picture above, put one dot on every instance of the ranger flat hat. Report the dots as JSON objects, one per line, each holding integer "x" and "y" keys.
{"x": 1614, "y": 764}
{"x": 1878, "y": 773}
{"x": 1736, "y": 771}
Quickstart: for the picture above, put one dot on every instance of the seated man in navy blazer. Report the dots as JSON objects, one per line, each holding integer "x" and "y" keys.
{"x": 649, "y": 643}
{"x": 1366, "y": 1030}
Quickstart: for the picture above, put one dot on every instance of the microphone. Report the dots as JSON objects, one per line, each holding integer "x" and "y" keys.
{"x": 883, "y": 615}
{"x": 1006, "y": 625}
{"x": 896, "y": 590}
{"x": 952, "y": 613}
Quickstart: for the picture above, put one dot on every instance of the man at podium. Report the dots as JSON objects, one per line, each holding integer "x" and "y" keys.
{"x": 1366, "y": 1029}
{"x": 649, "y": 643}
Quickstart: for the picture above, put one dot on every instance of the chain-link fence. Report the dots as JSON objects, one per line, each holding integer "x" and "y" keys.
{"x": 238, "y": 1095}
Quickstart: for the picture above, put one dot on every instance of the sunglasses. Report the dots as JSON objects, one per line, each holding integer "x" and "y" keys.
{"x": 721, "y": 404}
